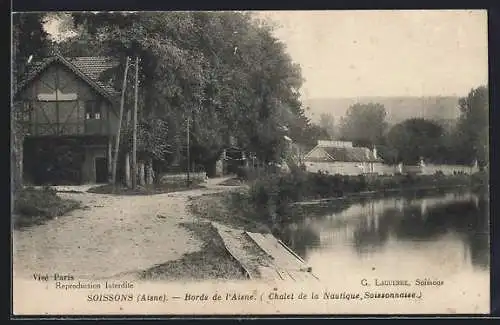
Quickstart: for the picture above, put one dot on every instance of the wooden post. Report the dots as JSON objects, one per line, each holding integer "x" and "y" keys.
{"x": 110, "y": 157}
{"x": 21, "y": 162}
{"x": 16, "y": 167}
{"x": 127, "y": 155}
{"x": 224, "y": 162}
{"x": 187, "y": 149}
{"x": 149, "y": 171}
{"x": 146, "y": 172}
{"x": 127, "y": 169}
{"x": 117, "y": 140}
{"x": 134, "y": 133}
{"x": 142, "y": 180}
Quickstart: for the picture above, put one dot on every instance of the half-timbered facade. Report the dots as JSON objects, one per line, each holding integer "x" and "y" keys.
{"x": 69, "y": 118}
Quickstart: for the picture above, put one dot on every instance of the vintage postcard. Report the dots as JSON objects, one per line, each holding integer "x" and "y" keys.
{"x": 250, "y": 163}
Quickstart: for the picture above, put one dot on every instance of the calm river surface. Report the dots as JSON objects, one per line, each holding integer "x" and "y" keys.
{"x": 418, "y": 235}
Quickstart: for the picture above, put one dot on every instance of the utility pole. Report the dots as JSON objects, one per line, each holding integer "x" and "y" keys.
{"x": 187, "y": 148}
{"x": 128, "y": 157}
{"x": 117, "y": 140}
{"x": 188, "y": 131}
{"x": 134, "y": 134}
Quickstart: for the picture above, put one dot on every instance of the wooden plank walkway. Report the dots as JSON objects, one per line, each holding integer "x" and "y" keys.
{"x": 272, "y": 247}
{"x": 288, "y": 265}
{"x": 264, "y": 257}
{"x": 234, "y": 242}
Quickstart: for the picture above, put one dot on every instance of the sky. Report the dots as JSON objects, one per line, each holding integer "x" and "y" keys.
{"x": 386, "y": 53}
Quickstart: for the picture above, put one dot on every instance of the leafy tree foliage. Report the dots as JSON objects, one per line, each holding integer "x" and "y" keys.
{"x": 414, "y": 139}
{"x": 150, "y": 139}
{"x": 473, "y": 126}
{"x": 327, "y": 122}
{"x": 28, "y": 38}
{"x": 223, "y": 70}
{"x": 364, "y": 123}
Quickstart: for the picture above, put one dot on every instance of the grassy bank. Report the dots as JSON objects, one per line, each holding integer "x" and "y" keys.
{"x": 225, "y": 208}
{"x": 35, "y": 206}
{"x": 269, "y": 199}
{"x": 271, "y": 196}
{"x": 212, "y": 262}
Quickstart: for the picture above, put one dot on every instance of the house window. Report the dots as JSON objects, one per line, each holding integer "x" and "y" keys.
{"x": 92, "y": 110}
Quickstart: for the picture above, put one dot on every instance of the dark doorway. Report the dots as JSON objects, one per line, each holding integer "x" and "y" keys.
{"x": 101, "y": 170}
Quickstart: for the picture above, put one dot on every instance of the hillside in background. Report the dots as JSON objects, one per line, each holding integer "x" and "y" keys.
{"x": 443, "y": 109}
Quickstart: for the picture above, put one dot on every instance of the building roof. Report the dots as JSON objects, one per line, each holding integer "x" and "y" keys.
{"x": 345, "y": 154}
{"x": 94, "y": 67}
{"x": 89, "y": 69}
{"x": 335, "y": 144}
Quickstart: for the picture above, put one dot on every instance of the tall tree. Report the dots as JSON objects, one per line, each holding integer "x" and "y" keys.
{"x": 473, "y": 126}
{"x": 327, "y": 122}
{"x": 224, "y": 69}
{"x": 364, "y": 123}
{"x": 414, "y": 139}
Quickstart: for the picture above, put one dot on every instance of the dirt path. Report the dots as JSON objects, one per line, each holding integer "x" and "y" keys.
{"x": 115, "y": 235}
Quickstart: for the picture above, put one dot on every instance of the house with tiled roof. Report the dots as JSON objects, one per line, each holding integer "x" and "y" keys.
{"x": 69, "y": 116}
{"x": 341, "y": 157}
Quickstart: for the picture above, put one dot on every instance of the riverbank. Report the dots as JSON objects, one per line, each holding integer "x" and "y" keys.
{"x": 155, "y": 237}
{"x": 370, "y": 195}
{"x": 270, "y": 200}
{"x": 242, "y": 209}
{"x": 212, "y": 261}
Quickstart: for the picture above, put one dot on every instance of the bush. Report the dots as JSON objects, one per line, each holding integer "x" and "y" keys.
{"x": 243, "y": 173}
{"x": 33, "y": 205}
{"x": 253, "y": 173}
{"x": 33, "y": 202}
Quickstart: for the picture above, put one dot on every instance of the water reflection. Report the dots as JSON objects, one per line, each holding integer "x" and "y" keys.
{"x": 368, "y": 227}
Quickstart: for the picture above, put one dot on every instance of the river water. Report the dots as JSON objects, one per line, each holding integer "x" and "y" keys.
{"x": 435, "y": 236}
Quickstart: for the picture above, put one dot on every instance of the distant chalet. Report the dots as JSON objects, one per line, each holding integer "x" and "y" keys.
{"x": 69, "y": 117}
{"x": 341, "y": 157}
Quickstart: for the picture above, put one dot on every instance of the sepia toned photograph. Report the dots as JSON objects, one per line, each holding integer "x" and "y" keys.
{"x": 250, "y": 163}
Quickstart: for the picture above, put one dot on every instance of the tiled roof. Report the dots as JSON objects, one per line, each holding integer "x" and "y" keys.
{"x": 93, "y": 67}
{"x": 354, "y": 154}
{"x": 89, "y": 68}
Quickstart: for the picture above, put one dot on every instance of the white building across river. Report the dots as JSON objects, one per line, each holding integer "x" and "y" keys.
{"x": 341, "y": 157}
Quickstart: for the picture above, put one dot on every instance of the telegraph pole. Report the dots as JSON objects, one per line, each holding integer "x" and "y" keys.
{"x": 134, "y": 133}
{"x": 117, "y": 140}
{"x": 188, "y": 150}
